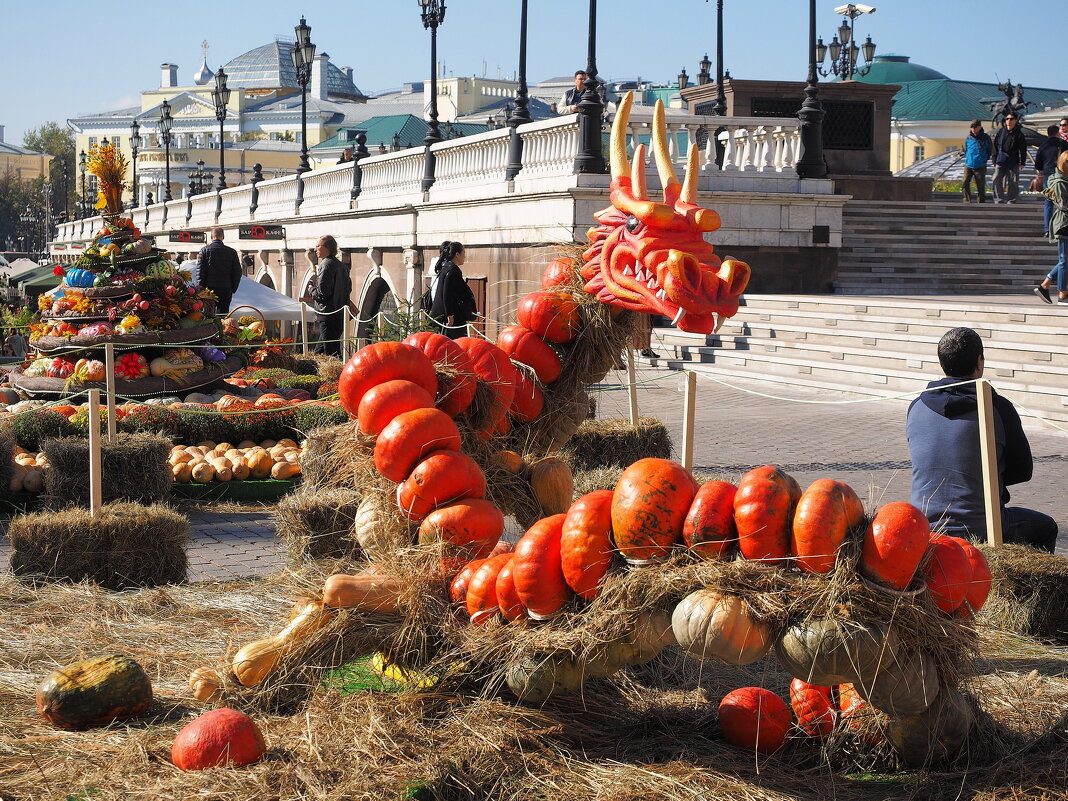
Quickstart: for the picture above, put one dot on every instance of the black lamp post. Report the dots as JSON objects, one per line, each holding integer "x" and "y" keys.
{"x": 165, "y": 123}
{"x": 684, "y": 79}
{"x": 704, "y": 74}
{"x": 81, "y": 165}
{"x": 135, "y": 145}
{"x": 433, "y": 14}
{"x": 303, "y": 56}
{"x": 221, "y": 96}
{"x": 719, "y": 107}
{"x": 590, "y": 158}
{"x": 520, "y": 115}
{"x": 844, "y": 50}
{"x": 810, "y": 163}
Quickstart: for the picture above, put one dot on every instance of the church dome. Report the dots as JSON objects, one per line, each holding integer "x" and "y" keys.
{"x": 204, "y": 75}
{"x": 270, "y": 66}
{"x": 894, "y": 68}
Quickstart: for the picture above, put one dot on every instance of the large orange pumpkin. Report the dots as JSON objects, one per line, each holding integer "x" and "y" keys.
{"x": 812, "y": 707}
{"x": 554, "y": 316}
{"x": 219, "y": 737}
{"x": 709, "y": 529}
{"x": 755, "y": 718}
{"x": 649, "y": 506}
{"x": 528, "y": 400}
{"x": 825, "y": 513}
{"x": 536, "y": 571}
{"x": 380, "y": 362}
{"x": 524, "y": 346}
{"x": 482, "y": 601}
{"x": 979, "y": 587}
{"x": 438, "y": 479}
{"x": 460, "y": 582}
{"x": 380, "y": 404}
{"x": 456, "y": 386}
{"x": 492, "y": 365}
{"x": 894, "y": 543}
{"x": 763, "y": 512}
{"x": 948, "y": 573}
{"x": 463, "y": 522}
{"x": 409, "y": 437}
{"x": 558, "y": 271}
{"x": 507, "y": 598}
{"x": 586, "y": 543}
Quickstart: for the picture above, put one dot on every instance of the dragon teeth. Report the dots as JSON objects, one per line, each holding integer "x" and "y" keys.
{"x": 661, "y": 295}
{"x": 641, "y": 275}
{"x": 679, "y": 316}
{"x": 628, "y": 271}
{"x": 652, "y": 282}
{"x": 719, "y": 323}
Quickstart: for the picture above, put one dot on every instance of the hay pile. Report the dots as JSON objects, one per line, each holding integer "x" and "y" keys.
{"x": 1028, "y": 592}
{"x": 334, "y": 456}
{"x": 129, "y": 545}
{"x": 134, "y": 469}
{"x": 317, "y": 524}
{"x": 613, "y": 442}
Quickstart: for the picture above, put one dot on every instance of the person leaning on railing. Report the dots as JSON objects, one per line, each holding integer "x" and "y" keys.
{"x": 329, "y": 295}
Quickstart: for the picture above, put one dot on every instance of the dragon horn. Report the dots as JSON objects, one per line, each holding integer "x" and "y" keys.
{"x": 689, "y": 183}
{"x": 660, "y": 149}
{"x": 620, "y": 162}
{"x": 637, "y": 174}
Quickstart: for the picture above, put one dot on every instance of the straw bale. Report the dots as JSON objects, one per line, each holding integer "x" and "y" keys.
{"x": 334, "y": 456}
{"x": 328, "y": 367}
{"x": 129, "y": 545}
{"x": 316, "y": 524}
{"x": 134, "y": 469}
{"x": 614, "y": 442}
{"x": 1028, "y": 591}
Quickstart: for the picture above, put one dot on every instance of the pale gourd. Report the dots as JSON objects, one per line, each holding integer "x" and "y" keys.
{"x": 183, "y": 473}
{"x": 203, "y": 473}
{"x": 260, "y": 464}
{"x": 367, "y": 591}
{"x": 708, "y": 624}
{"x": 553, "y": 485}
{"x": 206, "y": 684}
{"x": 285, "y": 470}
{"x": 257, "y": 660}
{"x": 239, "y": 470}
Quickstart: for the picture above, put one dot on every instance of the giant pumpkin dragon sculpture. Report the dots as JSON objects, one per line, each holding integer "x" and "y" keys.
{"x": 436, "y": 422}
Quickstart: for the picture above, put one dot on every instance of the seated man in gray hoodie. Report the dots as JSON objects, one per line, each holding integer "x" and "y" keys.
{"x": 943, "y": 433}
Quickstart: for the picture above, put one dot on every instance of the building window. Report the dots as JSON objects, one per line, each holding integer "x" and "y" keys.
{"x": 917, "y": 153}
{"x": 117, "y": 141}
{"x": 952, "y": 148}
{"x": 92, "y": 141}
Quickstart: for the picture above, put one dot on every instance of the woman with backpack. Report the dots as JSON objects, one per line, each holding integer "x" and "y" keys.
{"x": 452, "y": 304}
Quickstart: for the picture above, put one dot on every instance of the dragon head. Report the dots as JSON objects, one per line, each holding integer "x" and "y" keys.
{"x": 652, "y": 257}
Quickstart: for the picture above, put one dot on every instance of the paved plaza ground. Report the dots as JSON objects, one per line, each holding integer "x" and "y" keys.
{"x": 811, "y": 434}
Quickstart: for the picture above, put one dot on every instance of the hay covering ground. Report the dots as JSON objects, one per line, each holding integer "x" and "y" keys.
{"x": 134, "y": 469}
{"x": 615, "y": 442}
{"x": 129, "y": 545}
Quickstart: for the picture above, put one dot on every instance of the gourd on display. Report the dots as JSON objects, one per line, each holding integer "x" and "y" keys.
{"x": 94, "y": 692}
{"x": 220, "y": 737}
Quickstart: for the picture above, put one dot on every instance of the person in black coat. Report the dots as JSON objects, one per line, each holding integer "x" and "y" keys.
{"x": 219, "y": 269}
{"x": 1045, "y": 164}
{"x": 329, "y": 294}
{"x": 1010, "y": 153}
{"x": 452, "y": 304}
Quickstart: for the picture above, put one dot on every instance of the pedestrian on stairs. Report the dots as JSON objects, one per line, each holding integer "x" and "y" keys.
{"x": 977, "y": 149}
{"x": 1010, "y": 153}
{"x": 1057, "y": 192}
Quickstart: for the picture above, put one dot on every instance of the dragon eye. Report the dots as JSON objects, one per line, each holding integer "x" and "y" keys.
{"x": 633, "y": 224}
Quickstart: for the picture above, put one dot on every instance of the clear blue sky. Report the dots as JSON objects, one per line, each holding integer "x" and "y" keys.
{"x": 63, "y": 58}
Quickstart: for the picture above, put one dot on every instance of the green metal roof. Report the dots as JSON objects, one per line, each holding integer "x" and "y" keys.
{"x": 947, "y": 99}
{"x": 410, "y": 129}
{"x": 894, "y": 68}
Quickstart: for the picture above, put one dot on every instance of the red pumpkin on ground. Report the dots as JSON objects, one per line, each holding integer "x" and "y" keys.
{"x": 219, "y": 737}
{"x": 755, "y": 718}
{"x": 948, "y": 573}
{"x": 381, "y": 403}
{"x": 558, "y": 272}
{"x": 482, "y": 603}
{"x": 649, "y": 506}
{"x": 812, "y": 707}
{"x": 763, "y": 512}
{"x": 491, "y": 365}
{"x": 381, "y": 362}
{"x": 411, "y": 436}
{"x": 528, "y": 400}
{"x": 554, "y": 316}
{"x": 979, "y": 587}
{"x": 524, "y": 346}
{"x": 536, "y": 571}
{"x": 825, "y": 513}
{"x": 438, "y": 479}
{"x": 507, "y": 598}
{"x": 586, "y": 543}
{"x": 894, "y": 543}
{"x": 463, "y": 522}
{"x": 457, "y": 389}
{"x": 709, "y": 529}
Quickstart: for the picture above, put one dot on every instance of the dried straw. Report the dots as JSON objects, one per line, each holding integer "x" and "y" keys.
{"x": 134, "y": 468}
{"x": 1027, "y": 591}
{"x": 614, "y": 442}
{"x": 317, "y": 524}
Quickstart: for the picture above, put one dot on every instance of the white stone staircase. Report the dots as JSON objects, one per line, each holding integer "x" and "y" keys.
{"x": 882, "y": 345}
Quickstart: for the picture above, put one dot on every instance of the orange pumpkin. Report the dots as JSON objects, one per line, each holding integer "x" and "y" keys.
{"x": 409, "y": 437}
{"x": 460, "y": 582}
{"x": 554, "y": 316}
{"x": 536, "y": 571}
{"x": 825, "y": 513}
{"x": 492, "y": 365}
{"x": 219, "y": 737}
{"x": 649, "y": 506}
{"x": 463, "y": 522}
{"x": 894, "y": 543}
{"x": 456, "y": 385}
{"x": 979, "y": 586}
{"x": 90, "y": 369}
{"x": 709, "y": 529}
{"x": 948, "y": 573}
{"x": 481, "y": 600}
{"x": 755, "y": 719}
{"x": 507, "y": 598}
{"x": 381, "y": 362}
{"x": 229, "y": 404}
{"x": 812, "y": 707}
{"x": 438, "y": 479}
{"x": 528, "y": 400}
{"x": 558, "y": 272}
{"x": 380, "y": 404}
{"x": 524, "y": 346}
{"x": 763, "y": 511}
{"x": 586, "y": 543}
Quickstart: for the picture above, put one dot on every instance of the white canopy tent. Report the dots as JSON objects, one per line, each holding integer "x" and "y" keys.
{"x": 274, "y": 305}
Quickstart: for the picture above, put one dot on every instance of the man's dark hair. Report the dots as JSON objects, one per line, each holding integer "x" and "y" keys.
{"x": 1051, "y": 130}
{"x": 976, "y": 124}
{"x": 959, "y": 351}
{"x": 578, "y": 73}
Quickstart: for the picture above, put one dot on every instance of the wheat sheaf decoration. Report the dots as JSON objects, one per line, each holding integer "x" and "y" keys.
{"x": 109, "y": 166}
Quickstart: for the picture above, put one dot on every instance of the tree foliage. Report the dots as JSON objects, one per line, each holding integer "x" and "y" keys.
{"x": 58, "y": 142}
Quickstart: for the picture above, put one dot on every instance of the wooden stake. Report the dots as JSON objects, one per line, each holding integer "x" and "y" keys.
{"x": 304, "y": 328}
{"x": 988, "y": 451}
{"x": 109, "y": 379}
{"x": 96, "y": 473}
{"x": 632, "y": 388}
{"x": 688, "y": 419}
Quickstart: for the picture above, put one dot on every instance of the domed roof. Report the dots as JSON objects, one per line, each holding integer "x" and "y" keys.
{"x": 270, "y": 66}
{"x": 203, "y": 75}
{"x": 894, "y": 68}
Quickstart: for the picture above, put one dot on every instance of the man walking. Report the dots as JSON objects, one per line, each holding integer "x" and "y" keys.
{"x": 1010, "y": 153}
{"x": 219, "y": 269}
{"x": 977, "y": 149}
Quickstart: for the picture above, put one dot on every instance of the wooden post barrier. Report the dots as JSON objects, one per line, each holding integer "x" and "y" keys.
{"x": 304, "y": 328}
{"x": 690, "y": 406}
{"x": 109, "y": 378}
{"x": 632, "y": 388}
{"x": 988, "y": 452}
{"x": 96, "y": 472}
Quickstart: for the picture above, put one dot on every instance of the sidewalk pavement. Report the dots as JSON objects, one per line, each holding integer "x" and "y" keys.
{"x": 811, "y": 434}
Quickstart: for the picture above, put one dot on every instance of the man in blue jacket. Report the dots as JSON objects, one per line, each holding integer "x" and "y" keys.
{"x": 943, "y": 433}
{"x": 977, "y": 149}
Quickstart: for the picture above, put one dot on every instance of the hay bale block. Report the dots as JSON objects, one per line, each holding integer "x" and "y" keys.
{"x": 134, "y": 469}
{"x": 1027, "y": 591}
{"x": 129, "y": 545}
{"x": 613, "y": 442}
{"x": 318, "y": 524}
